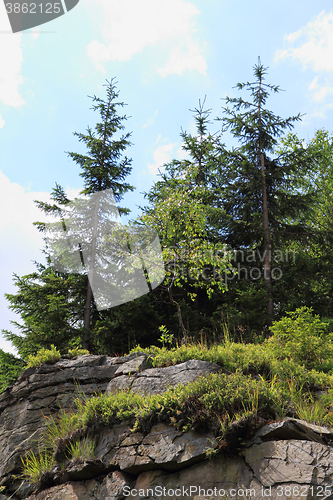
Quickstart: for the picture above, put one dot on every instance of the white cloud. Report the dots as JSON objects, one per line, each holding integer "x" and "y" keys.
{"x": 2, "y": 122}
{"x": 161, "y": 155}
{"x": 315, "y": 41}
{"x": 20, "y": 242}
{"x": 321, "y": 90}
{"x": 130, "y": 26}
{"x": 182, "y": 60}
{"x": 312, "y": 46}
{"x": 20, "y": 211}
{"x": 11, "y": 59}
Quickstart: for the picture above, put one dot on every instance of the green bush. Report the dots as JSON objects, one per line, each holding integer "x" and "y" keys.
{"x": 47, "y": 356}
{"x": 302, "y": 337}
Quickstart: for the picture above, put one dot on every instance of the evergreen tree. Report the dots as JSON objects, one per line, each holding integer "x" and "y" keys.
{"x": 258, "y": 200}
{"x": 184, "y": 208}
{"x": 53, "y": 305}
{"x": 310, "y": 280}
{"x": 103, "y": 167}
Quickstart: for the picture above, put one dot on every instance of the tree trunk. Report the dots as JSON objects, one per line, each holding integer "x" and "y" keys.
{"x": 89, "y": 296}
{"x": 86, "y": 329}
{"x": 267, "y": 252}
{"x": 179, "y": 314}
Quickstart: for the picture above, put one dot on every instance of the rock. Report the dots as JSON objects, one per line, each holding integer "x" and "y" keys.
{"x": 158, "y": 380}
{"x": 292, "y": 428}
{"x": 288, "y": 459}
{"x": 43, "y": 391}
{"x": 222, "y": 477}
{"x": 164, "y": 447}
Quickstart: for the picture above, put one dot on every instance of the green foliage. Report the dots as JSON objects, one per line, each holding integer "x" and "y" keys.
{"x": 10, "y": 369}
{"x": 104, "y": 166}
{"x": 46, "y": 356}
{"x": 302, "y": 337}
{"x": 77, "y": 352}
{"x": 51, "y": 308}
{"x": 184, "y": 209}
{"x": 34, "y": 466}
{"x": 166, "y": 337}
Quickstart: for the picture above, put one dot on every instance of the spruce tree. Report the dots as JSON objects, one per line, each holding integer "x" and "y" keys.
{"x": 184, "y": 208}
{"x": 103, "y": 167}
{"x": 57, "y": 306}
{"x": 259, "y": 204}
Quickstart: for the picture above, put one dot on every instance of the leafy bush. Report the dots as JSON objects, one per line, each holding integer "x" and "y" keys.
{"x": 302, "y": 337}
{"x": 47, "y": 356}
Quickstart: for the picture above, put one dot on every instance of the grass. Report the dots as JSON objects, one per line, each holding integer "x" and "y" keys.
{"x": 34, "y": 466}
{"x": 81, "y": 450}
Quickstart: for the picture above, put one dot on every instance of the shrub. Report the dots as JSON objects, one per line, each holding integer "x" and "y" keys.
{"x": 302, "y": 337}
{"x": 47, "y": 356}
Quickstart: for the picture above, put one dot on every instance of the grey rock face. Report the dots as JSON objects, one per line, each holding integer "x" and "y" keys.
{"x": 158, "y": 380}
{"x": 274, "y": 470}
{"x": 42, "y": 392}
{"x": 164, "y": 447}
{"x": 289, "y": 459}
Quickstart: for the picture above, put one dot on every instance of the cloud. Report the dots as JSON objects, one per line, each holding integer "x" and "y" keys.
{"x": 161, "y": 155}
{"x": 20, "y": 243}
{"x": 182, "y": 60}
{"x": 312, "y": 46}
{"x": 315, "y": 44}
{"x": 130, "y": 26}
{"x": 11, "y": 59}
{"x": 321, "y": 91}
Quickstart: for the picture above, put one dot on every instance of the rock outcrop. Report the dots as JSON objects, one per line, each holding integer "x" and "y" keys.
{"x": 289, "y": 459}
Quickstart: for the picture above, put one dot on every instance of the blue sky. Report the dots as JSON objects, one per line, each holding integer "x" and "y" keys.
{"x": 165, "y": 56}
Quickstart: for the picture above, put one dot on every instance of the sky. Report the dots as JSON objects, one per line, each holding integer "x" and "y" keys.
{"x": 165, "y": 56}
